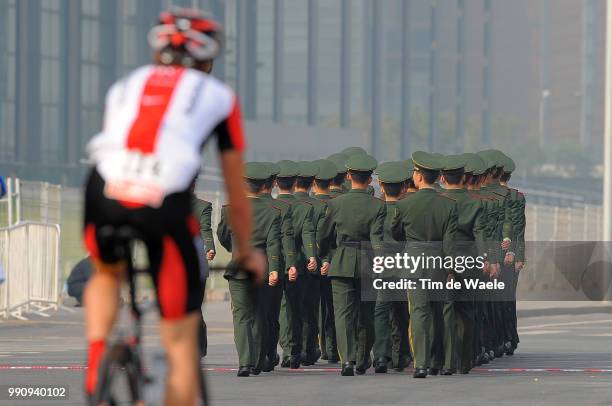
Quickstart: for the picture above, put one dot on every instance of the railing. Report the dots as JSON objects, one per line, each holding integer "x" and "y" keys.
{"x": 30, "y": 253}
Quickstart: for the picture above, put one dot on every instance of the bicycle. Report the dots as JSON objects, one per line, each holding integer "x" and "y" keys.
{"x": 124, "y": 354}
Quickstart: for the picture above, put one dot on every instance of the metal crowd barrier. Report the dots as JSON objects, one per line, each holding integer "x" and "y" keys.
{"x": 29, "y": 254}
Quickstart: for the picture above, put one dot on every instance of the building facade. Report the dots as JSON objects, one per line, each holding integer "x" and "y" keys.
{"x": 412, "y": 74}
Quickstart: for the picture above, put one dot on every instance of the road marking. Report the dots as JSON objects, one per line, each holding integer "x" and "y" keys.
{"x": 542, "y": 332}
{"x": 301, "y": 370}
{"x": 571, "y": 323}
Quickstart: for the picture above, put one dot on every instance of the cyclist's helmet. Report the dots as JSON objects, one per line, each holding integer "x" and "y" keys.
{"x": 185, "y": 36}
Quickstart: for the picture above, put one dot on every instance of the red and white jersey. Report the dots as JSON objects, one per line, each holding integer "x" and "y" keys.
{"x": 156, "y": 122}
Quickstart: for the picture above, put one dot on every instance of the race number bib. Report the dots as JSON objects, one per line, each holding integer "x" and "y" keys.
{"x": 137, "y": 180}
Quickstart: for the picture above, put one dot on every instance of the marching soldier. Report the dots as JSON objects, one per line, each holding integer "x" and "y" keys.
{"x": 516, "y": 254}
{"x": 312, "y": 279}
{"x": 391, "y": 313}
{"x": 471, "y": 237}
{"x": 286, "y": 263}
{"x": 248, "y": 306}
{"x": 352, "y": 218}
{"x": 291, "y": 317}
{"x": 202, "y": 211}
{"x": 427, "y": 220}
{"x": 499, "y": 237}
{"x": 326, "y": 174}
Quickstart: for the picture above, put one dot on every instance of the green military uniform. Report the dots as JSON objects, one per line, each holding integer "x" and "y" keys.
{"x": 291, "y": 317}
{"x": 427, "y": 220}
{"x": 498, "y": 330}
{"x": 391, "y": 315}
{"x": 516, "y": 214}
{"x": 352, "y": 218}
{"x": 327, "y": 171}
{"x": 312, "y": 279}
{"x": 249, "y": 310}
{"x": 471, "y": 238}
{"x": 484, "y": 318}
{"x": 202, "y": 211}
{"x": 286, "y": 261}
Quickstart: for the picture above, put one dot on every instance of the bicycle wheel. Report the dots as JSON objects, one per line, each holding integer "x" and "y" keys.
{"x": 120, "y": 378}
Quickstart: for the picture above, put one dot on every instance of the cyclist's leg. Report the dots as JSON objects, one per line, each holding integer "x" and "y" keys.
{"x": 102, "y": 291}
{"x": 176, "y": 274}
{"x": 101, "y": 303}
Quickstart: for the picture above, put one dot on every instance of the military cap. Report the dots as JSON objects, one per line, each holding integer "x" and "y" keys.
{"x": 496, "y": 157}
{"x": 307, "y": 169}
{"x": 408, "y": 167}
{"x": 257, "y": 171}
{"x": 274, "y": 168}
{"x": 425, "y": 160}
{"x": 392, "y": 172}
{"x": 488, "y": 159}
{"x": 327, "y": 169}
{"x": 509, "y": 165}
{"x": 452, "y": 163}
{"x": 288, "y": 169}
{"x": 339, "y": 160}
{"x": 354, "y": 151}
{"x": 359, "y": 162}
{"x": 474, "y": 164}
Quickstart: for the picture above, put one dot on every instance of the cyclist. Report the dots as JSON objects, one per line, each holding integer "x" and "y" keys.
{"x": 156, "y": 122}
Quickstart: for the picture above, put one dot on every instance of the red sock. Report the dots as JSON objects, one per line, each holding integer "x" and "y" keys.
{"x": 96, "y": 350}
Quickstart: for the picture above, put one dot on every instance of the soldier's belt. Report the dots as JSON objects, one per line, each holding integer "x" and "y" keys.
{"x": 350, "y": 244}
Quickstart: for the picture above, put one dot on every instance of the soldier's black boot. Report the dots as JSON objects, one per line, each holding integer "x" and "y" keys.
{"x": 448, "y": 371}
{"x": 380, "y": 366}
{"x": 433, "y": 371}
{"x": 363, "y": 367}
{"x": 244, "y": 371}
{"x": 255, "y": 371}
{"x": 276, "y": 358}
{"x": 420, "y": 373}
{"x": 294, "y": 362}
{"x": 347, "y": 369}
{"x": 268, "y": 365}
{"x": 286, "y": 362}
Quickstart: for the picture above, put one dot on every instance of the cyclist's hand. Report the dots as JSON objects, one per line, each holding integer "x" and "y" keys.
{"x": 273, "y": 279}
{"x": 256, "y": 263}
{"x": 509, "y": 258}
{"x": 324, "y": 268}
{"x": 210, "y": 255}
{"x": 312, "y": 264}
{"x": 292, "y": 274}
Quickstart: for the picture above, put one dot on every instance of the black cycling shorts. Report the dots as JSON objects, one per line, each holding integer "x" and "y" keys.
{"x": 168, "y": 232}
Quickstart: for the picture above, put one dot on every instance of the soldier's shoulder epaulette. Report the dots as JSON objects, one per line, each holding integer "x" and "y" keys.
{"x": 280, "y": 211}
{"x": 499, "y": 194}
{"x": 305, "y": 201}
{"x": 275, "y": 207}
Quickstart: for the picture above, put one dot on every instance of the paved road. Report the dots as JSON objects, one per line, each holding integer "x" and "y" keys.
{"x": 562, "y": 360}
